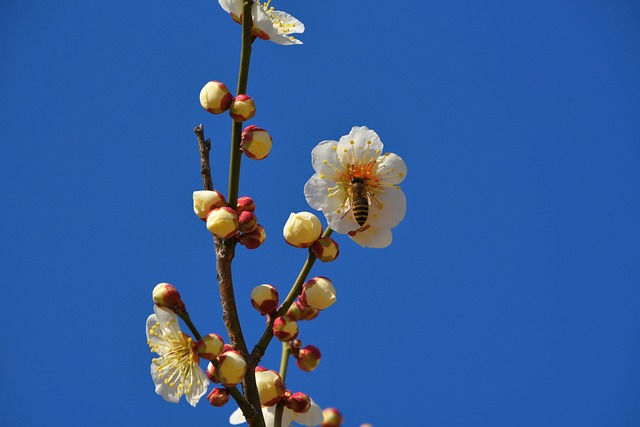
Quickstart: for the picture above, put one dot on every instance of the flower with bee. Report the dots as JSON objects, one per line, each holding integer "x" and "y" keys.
{"x": 356, "y": 187}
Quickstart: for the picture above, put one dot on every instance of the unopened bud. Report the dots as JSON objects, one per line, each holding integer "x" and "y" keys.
{"x": 308, "y": 358}
{"x": 306, "y": 312}
{"x": 166, "y": 295}
{"x": 248, "y": 221}
{"x": 264, "y": 298}
{"x": 210, "y": 346}
{"x": 318, "y": 293}
{"x": 256, "y": 142}
{"x": 231, "y": 367}
{"x": 254, "y": 239}
{"x": 302, "y": 229}
{"x": 223, "y": 222}
{"x": 326, "y": 249}
{"x": 285, "y": 329}
{"x": 245, "y": 203}
{"x": 270, "y": 387}
{"x": 218, "y": 396}
{"x": 205, "y": 200}
{"x": 298, "y": 402}
{"x": 242, "y": 108}
{"x": 212, "y": 373}
{"x": 215, "y": 97}
{"x": 331, "y": 418}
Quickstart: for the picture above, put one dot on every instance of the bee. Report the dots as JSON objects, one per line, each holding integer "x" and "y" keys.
{"x": 359, "y": 198}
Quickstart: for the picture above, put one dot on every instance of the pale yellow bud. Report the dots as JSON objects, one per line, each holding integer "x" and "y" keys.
{"x": 204, "y": 201}
{"x": 270, "y": 387}
{"x": 318, "y": 293}
{"x": 231, "y": 367}
{"x": 302, "y": 229}
{"x": 223, "y": 222}
{"x": 215, "y": 97}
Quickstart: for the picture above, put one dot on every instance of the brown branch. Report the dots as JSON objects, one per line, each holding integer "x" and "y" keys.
{"x": 225, "y": 251}
{"x": 205, "y": 147}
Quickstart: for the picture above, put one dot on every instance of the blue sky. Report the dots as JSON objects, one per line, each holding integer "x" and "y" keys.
{"x": 509, "y": 296}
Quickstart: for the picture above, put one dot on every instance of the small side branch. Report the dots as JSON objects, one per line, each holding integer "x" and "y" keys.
{"x": 205, "y": 148}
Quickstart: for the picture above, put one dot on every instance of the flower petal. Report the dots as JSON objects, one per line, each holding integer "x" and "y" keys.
{"x": 361, "y": 145}
{"x": 340, "y": 221}
{"x": 373, "y": 238}
{"x": 199, "y": 386}
{"x": 394, "y": 207}
{"x": 237, "y": 417}
{"x": 312, "y": 417}
{"x": 391, "y": 169}
{"x": 232, "y": 7}
{"x": 168, "y": 393}
{"x": 288, "y": 24}
{"x": 262, "y": 21}
{"x": 316, "y": 191}
{"x": 323, "y": 155}
{"x": 269, "y": 414}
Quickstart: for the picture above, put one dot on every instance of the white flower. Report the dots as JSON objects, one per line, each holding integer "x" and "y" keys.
{"x": 176, "y": 371}
{"x": 356, "y": 187}
{"x": 268, "y": 23}
{"x": 312, "y": 417}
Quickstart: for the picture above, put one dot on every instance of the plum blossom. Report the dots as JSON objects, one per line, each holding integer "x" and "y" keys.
{"x": 268, "y": 23}
{"x": 312, "y": 417}
{"x": 356, "y": 187}
{"x": 176, "y": 371}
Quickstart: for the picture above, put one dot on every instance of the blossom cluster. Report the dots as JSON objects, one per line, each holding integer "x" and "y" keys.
{"x": 355, "y": 186}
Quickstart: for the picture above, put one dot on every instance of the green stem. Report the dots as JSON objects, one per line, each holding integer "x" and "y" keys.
{"x": 187, "y": 320}
{"x": 284, "y": 360}
{"x": 236, "y": 131}
{"x": 260, "y": 348}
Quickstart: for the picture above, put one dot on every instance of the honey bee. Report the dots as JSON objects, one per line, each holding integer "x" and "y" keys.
{"x": 359, "y": 198}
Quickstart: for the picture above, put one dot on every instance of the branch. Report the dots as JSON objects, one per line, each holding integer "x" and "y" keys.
{"x": 205, "y": 147}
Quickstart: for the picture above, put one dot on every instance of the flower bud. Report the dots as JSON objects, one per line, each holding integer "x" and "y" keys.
{"x": 331, "y": 418}
{"x": 248, "y": 221}
{"x": 306, "y": 312}
{"x": 264, "y": 298}
{"x": 326, "y": 249}
{"x": 298, "y": 402}
{"x": 294, "y": 312}
{"x": 215, "y": 97}
{"x": 245, "y": 203}
{"x": 212, "y": 373}
{"x": 254, "y": 239}
{"x": 210, "y": 346}
{"x": 205, "y": 200}
{"x": 318, "y": 293}
{"x": 256, "y": 142}
{"x": 302, "y": 229}
{"x": 223, "y": 222}
{"x": 308, "y": 358}
{"x": 218, "y": 396}
{"x": 231, "y": 367}
{"x": 242, "y": 108}
{"x": 166, "y": 295}
{"x": 285, "y": 329}
{"x": 270, "y": 387}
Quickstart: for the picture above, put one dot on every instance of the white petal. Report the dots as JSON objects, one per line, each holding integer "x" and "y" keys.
{"x": 373, "y": 238}
{"x": 151, "y": 322}
{"x": 316, "y": 191}
{"x": 199, "y": 387}
{"x": 232, "y": 6}
{"x": 290, "y": 23}
{"x": 237, "y": 417}
{"x": 391, "y": 169}
{"x": 168, "y": 393}
{"x": 168, "y": 320}
{"x": 366, "y": 145}
{"x": 394, "y": 206}
{"x": 269, "y": 414}
{"x": 324, "y": 152}
{"x": 341, "y": 222}
{"x": 262, "y": 21}
{"x": 312, "y": 417}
